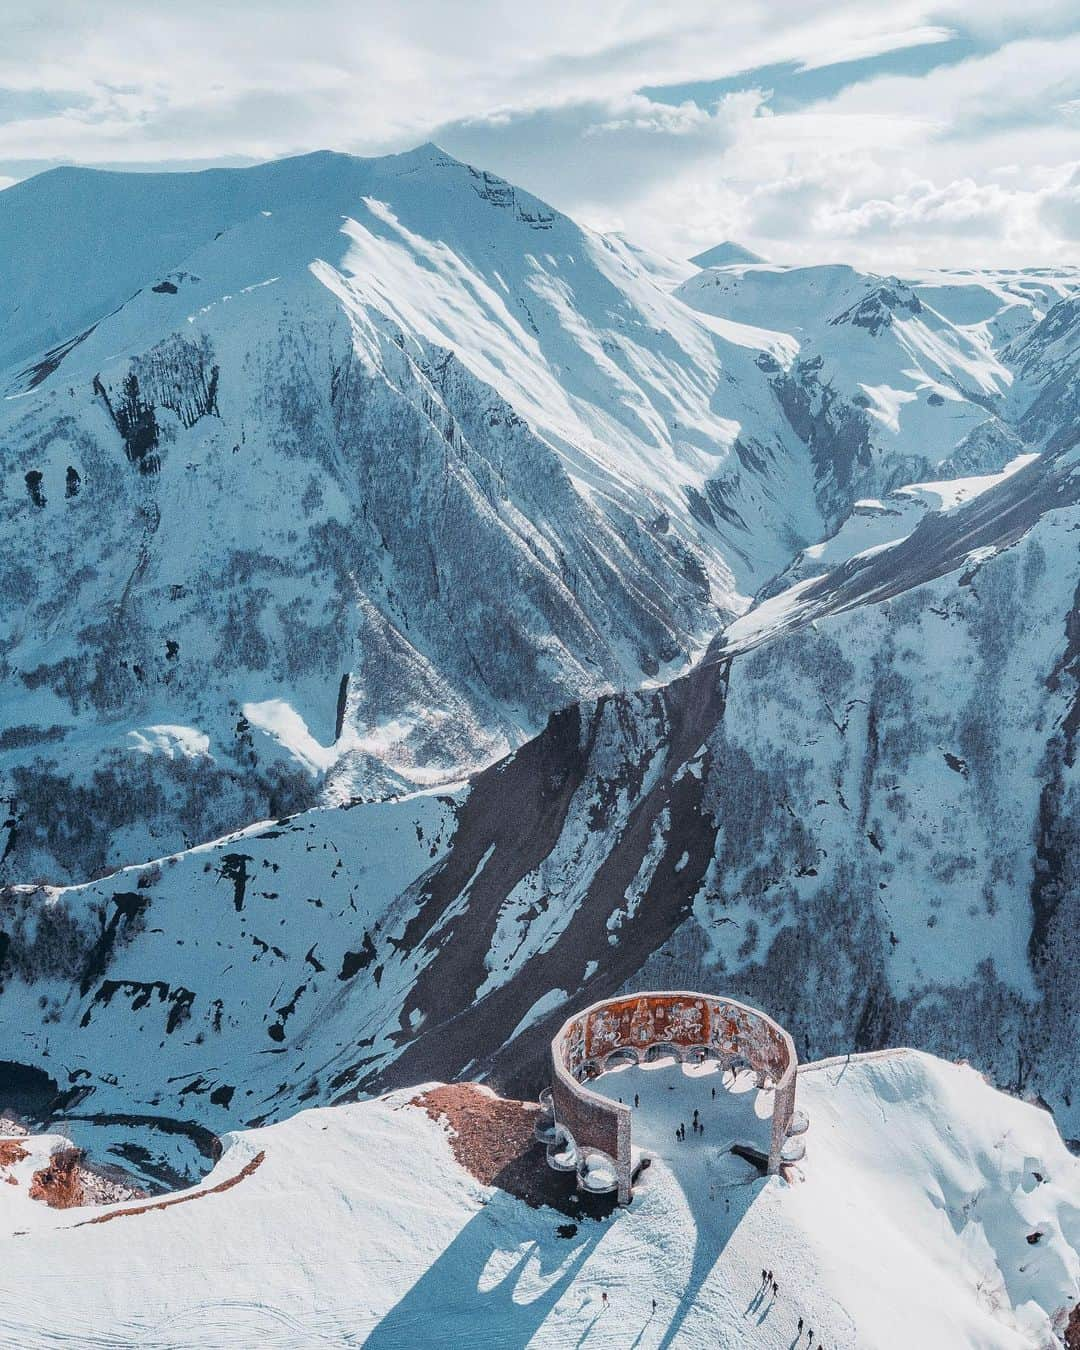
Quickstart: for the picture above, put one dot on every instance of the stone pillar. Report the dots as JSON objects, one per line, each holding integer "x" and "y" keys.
{"x": 783, "y": 1110}
{"x": 624, "y": 1163}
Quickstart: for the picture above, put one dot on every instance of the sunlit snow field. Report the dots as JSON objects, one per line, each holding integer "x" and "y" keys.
{"x": 922, "y": 1191}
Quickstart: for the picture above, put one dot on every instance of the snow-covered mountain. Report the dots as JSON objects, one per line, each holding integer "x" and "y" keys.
{"x": 335, "y": 477}
{"x": 930, "y": 1210}
{"x": 934, "y": 386}
{"x": 568, "y": 621}
{"x": 859, "y": 811}
{"x": 359, "y": 498}
{"x": 348, "y": 470}
{"x": 726, "y": 254}
{"x": 908, "y": 377}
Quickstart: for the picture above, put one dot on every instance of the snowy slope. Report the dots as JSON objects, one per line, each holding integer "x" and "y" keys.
{"x": 383, "y": 462}
{"x": 345, "y": 470}
{"x": 230, "y": 982}
{"x": 333, "y": 478}
{"x": 858, "y": 812}
{"x": 922, "y": 1192}
{"x": 908, "y": 375}
{"x": 875, "y": 524}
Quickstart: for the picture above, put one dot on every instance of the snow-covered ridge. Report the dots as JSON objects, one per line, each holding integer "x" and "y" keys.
{"x": 932, "y": 1210}
{"x": 874, "y": 524}
{"x": 308, "y": 443}
{"x": 395, "y": 450}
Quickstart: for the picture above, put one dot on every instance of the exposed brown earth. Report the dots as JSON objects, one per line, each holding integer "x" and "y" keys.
{"x": 492, "y": 1138}
{"x": 11, "y": 1152}
{"x": 66, "y": 1180}
{"x": 1072, "y": 1330}
{"x": 245, "y": 1171}
{"x": 59, "y": 1182}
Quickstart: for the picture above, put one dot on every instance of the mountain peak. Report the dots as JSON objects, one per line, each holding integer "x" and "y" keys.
{"x": 725, "y": 255}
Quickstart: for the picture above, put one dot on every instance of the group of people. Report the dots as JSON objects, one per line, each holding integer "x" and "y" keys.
{"x": 769, "y": 1284}
{"x": 697, "y": 1125}
{"x": 810, "y": 1331}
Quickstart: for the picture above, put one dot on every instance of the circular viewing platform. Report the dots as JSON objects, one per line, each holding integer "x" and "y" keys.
{"x": 586, "y": 1132}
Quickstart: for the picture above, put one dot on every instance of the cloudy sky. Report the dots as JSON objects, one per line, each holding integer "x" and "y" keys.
{"x": 888, "y": 134}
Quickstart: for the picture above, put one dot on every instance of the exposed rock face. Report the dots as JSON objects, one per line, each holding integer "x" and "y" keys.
{"x": 877, "y": 310}
{"x": 59, "y": 1184}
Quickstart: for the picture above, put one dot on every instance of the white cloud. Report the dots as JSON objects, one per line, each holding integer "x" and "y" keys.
{"x": 962, "y": 206}
{"x": 970, "y": 163}
{"x": 599, "y": 157}
{"x": 201, "y": 76}
{"x": 1059, "y": 207}
{"x": 858, "y": 48}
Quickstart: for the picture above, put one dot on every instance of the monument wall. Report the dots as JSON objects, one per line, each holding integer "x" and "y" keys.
{"x": 685, "y": 1022}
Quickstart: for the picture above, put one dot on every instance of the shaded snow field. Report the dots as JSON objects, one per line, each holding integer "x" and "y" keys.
{"x": 665, "y": 1096}
{"x": 873, "y": 526}
{"x": 933, "y": 1212}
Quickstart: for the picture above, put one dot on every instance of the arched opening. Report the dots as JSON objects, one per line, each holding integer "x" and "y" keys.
{"x": 619, "y": 1058}
{"x": 662, "y": 1050}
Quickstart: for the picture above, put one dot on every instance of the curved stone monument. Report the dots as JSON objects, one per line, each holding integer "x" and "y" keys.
{"x": 579, "y": 1122}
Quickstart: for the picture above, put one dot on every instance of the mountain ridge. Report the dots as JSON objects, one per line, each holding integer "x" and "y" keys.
{"x": 624, "y": 463}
